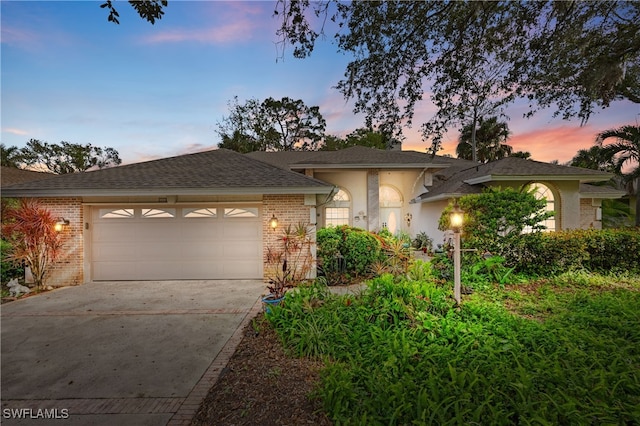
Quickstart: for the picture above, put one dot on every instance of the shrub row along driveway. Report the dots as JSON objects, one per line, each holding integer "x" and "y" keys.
{"x": 120, "y": 352}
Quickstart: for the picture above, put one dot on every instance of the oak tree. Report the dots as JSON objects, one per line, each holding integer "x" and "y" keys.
{"x": 271, "y": 125}
{"x": 474, "y": 58}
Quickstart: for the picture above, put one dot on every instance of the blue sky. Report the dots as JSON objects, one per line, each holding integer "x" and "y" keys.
{"x": 153, "y": 91}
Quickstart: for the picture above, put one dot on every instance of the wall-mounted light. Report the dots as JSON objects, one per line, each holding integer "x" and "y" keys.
{"x": 273, "y": 222}
{"x": 360, "y": 216}
{"x": 408, "y": 218}
{"x": 60, "y": 224}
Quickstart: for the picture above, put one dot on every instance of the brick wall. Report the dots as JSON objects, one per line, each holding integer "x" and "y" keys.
{"x": 68, "y": 268}
{"x": 588, "y": 215}
{"x": 289, "y": 210}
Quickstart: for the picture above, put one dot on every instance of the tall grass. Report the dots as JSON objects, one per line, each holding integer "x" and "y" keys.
{"x": 399, "y": 353}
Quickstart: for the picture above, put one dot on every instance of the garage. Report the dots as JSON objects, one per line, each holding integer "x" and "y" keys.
{"x": 176, "y": 242}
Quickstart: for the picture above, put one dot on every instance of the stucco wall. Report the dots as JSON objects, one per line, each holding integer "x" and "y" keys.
{"x": 355, "y": 183}
{"x": 68, "y": 268}
{"x": 408, "y": 182}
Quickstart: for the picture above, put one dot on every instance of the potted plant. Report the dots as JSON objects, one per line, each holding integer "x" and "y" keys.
{"x": 423, "y": 242}
{"x": 278, "y": 285}
{"x": 290, "y": 263}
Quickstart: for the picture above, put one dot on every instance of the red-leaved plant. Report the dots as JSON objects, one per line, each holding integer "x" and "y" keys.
{"x": 30, "y": 229}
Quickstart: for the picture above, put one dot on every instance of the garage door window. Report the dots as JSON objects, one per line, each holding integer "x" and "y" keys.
{"x": 116, "y": 213}
{"x": 199, "y": 212}
{"x": 158, "y": 213}
{"x": 241, "y": 212}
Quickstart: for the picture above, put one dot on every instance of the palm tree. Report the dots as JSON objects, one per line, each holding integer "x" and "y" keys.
{"x": 625, "y": 152}
{"x": 490, "y": 141}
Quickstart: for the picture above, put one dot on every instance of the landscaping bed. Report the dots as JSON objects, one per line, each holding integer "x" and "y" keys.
{"x": 561, "y": 350}
{"x": 261, "y": 385}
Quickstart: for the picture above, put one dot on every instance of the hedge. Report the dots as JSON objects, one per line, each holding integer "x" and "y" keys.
{"x": 608, "y": 250}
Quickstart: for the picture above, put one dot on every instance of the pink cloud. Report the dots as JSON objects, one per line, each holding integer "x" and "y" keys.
{"x": 15, "y": 131}
{"x": 226, "y": 22}
{"x": 556, "y": 143}
{"x": 234, "y": 31}
{"x": 18, "y": 36}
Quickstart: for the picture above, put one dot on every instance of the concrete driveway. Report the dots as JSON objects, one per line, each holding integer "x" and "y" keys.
{"x": 125, "y": 353}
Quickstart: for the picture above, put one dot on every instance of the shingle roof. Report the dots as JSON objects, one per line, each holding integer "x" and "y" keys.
{"x": 354, "y": 157}
{"x": 513, "y": 167}
{"x": 11, "y": 176}
{"x": 212, "y": 172}
{"x": 600, "y": 191}
{"x": 466, "y": 178}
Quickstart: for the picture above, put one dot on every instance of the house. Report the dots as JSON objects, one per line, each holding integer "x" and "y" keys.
{"x": 207, "y": 215}
{"x": 407, "y": 190}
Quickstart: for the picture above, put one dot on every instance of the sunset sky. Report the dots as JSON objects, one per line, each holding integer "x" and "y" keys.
{"x": 153, "y": 91}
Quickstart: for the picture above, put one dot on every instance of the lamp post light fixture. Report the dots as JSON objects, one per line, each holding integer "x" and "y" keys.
{"x": 273, "y": 222}
{"x": 456, "y": 220}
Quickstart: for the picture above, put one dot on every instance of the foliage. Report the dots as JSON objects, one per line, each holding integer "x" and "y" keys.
{"x": 357, "y": 248}
{"x": 29, "y": 228}
{"x": 423, "y": 242}
{"x": 399, "y": 353}
{"x": 360, "y": 137}
{"x": 624, "y": 152}
{"x": 271, "y": 125}
{"x": 616, "y": 214}
{"x": 493, "y": 218}
{"x": 478, "y": 56}
{"x": 490, "y": 141}
{"x": 67, "y": 157}
{"x": 149, "y": 10}
{"x": 9, "y": 269}
{"x": 548, "y": 254}
{"x": 489, "y": 270}
{"x": 594, "y": 158}
{"x": 291, "y": 261}
{"x": 10, "y": 156}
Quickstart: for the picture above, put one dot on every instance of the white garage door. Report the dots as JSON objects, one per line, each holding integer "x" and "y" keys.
{"x": 169, "y": 243}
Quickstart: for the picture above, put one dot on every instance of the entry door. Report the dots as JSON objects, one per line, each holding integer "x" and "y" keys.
{"x": 390, "y": 218}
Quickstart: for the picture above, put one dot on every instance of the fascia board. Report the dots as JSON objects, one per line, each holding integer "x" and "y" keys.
{"x": 290, "y": 190}
{"x": 502, "y": 178}
{"x": 420, "y": 166}
{"x": 605, "y": 195}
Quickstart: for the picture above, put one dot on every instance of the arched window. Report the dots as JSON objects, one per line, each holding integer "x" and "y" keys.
{"x": 338, "y": 211}
{"x": 542, "y": 191}
{"x": 390, "y": 200}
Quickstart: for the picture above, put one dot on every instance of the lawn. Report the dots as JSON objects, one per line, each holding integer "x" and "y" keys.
{"x": 563, "y": 350}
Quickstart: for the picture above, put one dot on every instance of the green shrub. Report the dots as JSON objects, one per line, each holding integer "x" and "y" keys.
{"x": 548, "y": 254}
{"x": 359, "y": 250}
{"x": 9, "y": 270}
{"x": 495, "y": 216}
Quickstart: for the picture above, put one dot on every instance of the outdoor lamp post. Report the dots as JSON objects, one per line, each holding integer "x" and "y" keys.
{"x": 456, "y": 219}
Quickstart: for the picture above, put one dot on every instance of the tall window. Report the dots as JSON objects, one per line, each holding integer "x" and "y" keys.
{"x": 338, "y": 211}
{"x": 543, "y": 192}
{"x": 390, "y": 208}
